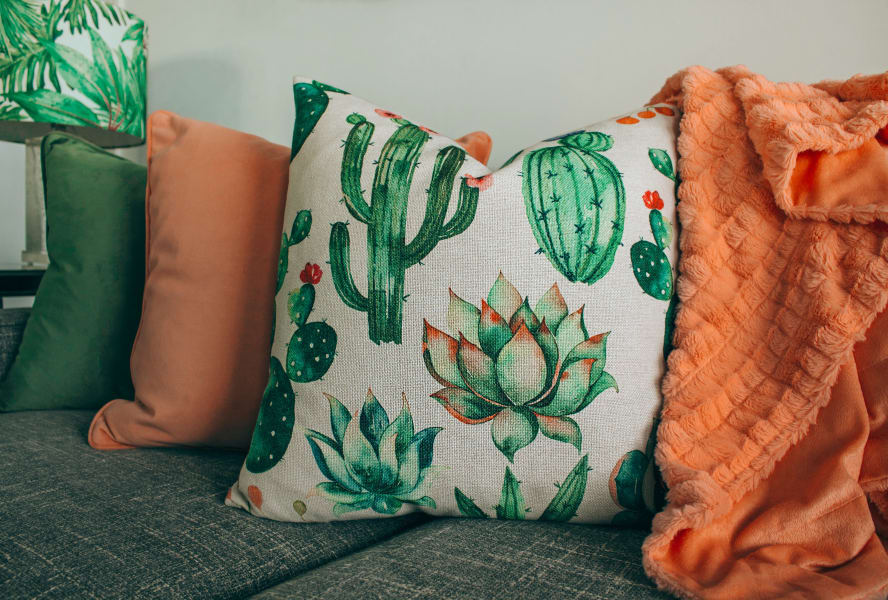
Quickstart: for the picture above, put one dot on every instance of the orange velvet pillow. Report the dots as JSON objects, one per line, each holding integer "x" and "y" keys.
{"x": 199, "y": 363}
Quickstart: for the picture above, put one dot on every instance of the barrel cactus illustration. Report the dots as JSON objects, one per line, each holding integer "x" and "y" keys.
{"x": 389, "y": 254}
{"x": 312, "y": 346}
{"x": 372, "y": 463}
{"x": 274, "y": 425}
{"x": 576, "y": 204}
{"x": 523, "y": 370}
{"x": 637, "y": 487}
{"x": 311, "y": 101}
{"x": 563, "y": 506}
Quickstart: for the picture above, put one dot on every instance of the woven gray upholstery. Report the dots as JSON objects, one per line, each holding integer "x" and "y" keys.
{"x": 471, "y": 559}
{"x": 79, "y": 523}
{"x": 12, "y": 326}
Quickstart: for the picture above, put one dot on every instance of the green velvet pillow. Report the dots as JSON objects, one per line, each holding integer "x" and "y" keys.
{"x": 76, "y": 346}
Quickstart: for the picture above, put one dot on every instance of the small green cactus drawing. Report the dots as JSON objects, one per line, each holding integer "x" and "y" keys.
{"x": 650, "y": 265}
{"x": 313, "y": 345}
{"x": 563, "y": 506}
{"x": 627, "y": 486}
{"x": 274, "y": 425}
{"x": 311, "y": 101}
{"x": 298, "y": 232}
{"x": 576, "y": 204}
{"x": 389, "y": 254}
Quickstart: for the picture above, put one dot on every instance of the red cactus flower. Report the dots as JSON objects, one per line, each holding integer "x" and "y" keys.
{"x": 482, "y": 183}
{"x": 387, "y": 114}
{"x": 427, "y": 130}
{"x": 310, "y": 274}
{"x": 652, "y": 199}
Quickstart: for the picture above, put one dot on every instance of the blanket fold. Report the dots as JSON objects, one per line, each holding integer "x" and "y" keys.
{"x": 774, "y": 435}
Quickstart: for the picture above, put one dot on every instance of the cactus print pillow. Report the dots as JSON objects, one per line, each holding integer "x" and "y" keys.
{"x": 466, "y": 342}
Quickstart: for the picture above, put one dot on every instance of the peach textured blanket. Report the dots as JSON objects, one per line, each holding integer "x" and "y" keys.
{"x": 774, "y": 436}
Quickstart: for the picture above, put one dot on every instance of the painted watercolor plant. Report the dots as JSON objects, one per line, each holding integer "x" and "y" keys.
{"x": 372, "y": 463}
{"x": 389, "y": 254}
{"x": 563, "y": 506}
{"x": 310, "y": 353}
{"x": 524, "y": 370}
{"x": 576, "y": 204}
{"x": 311, "y": 101}
{"x": 33, "y": 65}
{"x": 627, "y": 486}
{"x": 650, "y": 264}
{"x": 274, "y": 424}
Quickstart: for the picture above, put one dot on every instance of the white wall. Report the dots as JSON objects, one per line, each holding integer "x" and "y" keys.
{"x": 518, "y": 69}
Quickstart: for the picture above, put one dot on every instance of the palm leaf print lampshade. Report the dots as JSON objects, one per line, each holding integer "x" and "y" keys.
{"x": 78, "y": 65}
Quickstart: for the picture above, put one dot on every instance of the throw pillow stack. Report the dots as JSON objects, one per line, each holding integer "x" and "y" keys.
{"x": 388, "y": 325}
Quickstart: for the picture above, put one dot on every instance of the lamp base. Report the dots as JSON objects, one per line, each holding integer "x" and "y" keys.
{"x": 35, "y": 210}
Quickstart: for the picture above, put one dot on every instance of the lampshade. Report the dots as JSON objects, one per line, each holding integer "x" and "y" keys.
{"x": 77, "y": 65}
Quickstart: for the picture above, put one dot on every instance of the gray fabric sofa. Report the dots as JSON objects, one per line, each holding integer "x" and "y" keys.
{"x": 150, "y": 523}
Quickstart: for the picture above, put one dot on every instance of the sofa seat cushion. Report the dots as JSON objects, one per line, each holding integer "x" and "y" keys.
{"x": 470, "y": 559}
{"x": 147, "y": 523}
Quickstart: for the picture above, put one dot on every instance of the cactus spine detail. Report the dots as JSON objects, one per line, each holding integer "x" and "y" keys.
{"x": 389, "y": 255}
{"x": 576, "y": 204}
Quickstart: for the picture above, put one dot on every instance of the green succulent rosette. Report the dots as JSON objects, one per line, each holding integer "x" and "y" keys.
{"x": 524, "y": 370}
{"x": 372, "y": 463}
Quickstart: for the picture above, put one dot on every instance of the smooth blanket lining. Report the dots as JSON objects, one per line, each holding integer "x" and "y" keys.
{"x": 774, "y": 438}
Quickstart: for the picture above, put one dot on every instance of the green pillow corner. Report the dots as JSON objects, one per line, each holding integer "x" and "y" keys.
{"x": 76, "y": 346}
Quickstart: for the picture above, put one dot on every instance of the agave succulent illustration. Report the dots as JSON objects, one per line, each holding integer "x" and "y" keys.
{"x": 371, "y": 462}
{"x": 563, "y": 506}
{"x": 525, "y": 370}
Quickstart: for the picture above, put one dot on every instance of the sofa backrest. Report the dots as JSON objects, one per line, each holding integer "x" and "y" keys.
{"x": 12, "y": 326}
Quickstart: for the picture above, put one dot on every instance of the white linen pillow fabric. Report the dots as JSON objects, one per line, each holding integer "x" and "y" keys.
{"x": 510, "y": 326}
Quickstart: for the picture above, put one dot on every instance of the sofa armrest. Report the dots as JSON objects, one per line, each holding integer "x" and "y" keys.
{"x": 12, "y": 326}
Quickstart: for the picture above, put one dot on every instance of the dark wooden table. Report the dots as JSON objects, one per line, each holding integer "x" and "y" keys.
{"x": 19, "y": 280}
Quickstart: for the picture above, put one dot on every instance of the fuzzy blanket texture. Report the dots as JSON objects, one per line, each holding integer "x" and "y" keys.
{"x": 774, "y": 434}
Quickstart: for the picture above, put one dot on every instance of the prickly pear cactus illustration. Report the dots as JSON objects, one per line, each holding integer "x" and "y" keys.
{"x": 389, "y": 254}
{"x": 274, "y": 425}
{"x": 629, "y": 479}
{"x": 524, "y": 370}
{"x": 311, "y": 101}
{"x": 298, "y": 232}
{"x": 650, "y": 265}
{"x": 563, "y": 506}
{"x": 576, "y": 204}
{"x": 312, "y": 346}
{"x": 371, "y": 462}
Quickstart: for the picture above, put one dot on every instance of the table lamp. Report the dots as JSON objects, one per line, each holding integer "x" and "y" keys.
{"x": 72, "y": 65}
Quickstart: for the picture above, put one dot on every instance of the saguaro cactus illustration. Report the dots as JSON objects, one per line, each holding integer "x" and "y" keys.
{"x": 576, "y": 204}
{"x": 311, "y": 101}
{"x": 563, "y": 506}
{"x": 389, "y": 255}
